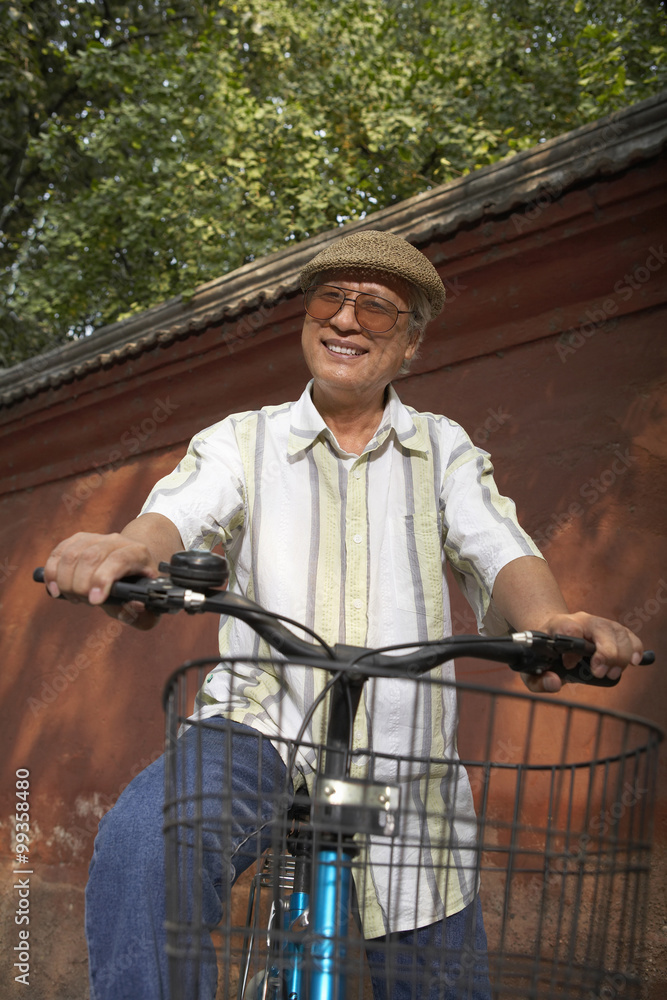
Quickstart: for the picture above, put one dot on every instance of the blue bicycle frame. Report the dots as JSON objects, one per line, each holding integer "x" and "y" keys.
{"x": 330, "y": 920}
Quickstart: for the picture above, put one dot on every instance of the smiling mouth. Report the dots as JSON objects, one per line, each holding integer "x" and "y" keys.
{"x": 350, "y": 352}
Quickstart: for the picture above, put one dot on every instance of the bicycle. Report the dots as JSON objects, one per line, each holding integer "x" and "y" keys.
{"x": 304, "y": 950}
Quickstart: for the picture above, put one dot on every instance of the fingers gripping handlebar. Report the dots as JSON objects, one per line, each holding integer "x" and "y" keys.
{"x": 192, "y": 582}
{"x": 199, "y": 592}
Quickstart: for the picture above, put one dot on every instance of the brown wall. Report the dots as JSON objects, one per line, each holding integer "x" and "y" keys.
{"x": 575, "y": 419}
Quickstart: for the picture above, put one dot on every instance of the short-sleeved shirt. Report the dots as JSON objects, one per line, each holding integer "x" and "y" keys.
{"x": 355, "y": 547}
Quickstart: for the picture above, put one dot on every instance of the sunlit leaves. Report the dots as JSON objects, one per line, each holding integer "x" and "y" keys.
{"x": 149, "y": 147}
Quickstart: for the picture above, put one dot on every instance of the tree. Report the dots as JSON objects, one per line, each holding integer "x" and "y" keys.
{"x": 152, "y": 146}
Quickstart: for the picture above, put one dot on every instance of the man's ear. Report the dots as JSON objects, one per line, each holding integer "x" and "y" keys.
{"x": 413, "y": 344}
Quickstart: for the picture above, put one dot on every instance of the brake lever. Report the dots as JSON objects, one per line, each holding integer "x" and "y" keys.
{"x": 161, "y": 595}
{"x": 158, "y": 595}
{"x": 543, "y": 652}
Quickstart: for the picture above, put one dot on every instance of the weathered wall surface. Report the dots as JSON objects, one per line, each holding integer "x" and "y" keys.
{"x": 551, "y": 352}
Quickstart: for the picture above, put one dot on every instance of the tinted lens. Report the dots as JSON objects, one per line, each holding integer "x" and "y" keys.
{"x": 376, "y": 314}
{"x": 324, "y": 301}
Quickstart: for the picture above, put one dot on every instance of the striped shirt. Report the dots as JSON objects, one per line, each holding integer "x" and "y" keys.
{"x": 355, "y": 547}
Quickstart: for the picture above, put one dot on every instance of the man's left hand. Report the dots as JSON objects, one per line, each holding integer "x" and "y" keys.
{"x": 616, "y": 647}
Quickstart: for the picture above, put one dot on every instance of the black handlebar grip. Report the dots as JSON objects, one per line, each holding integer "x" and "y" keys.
{"x": 126, "y": 590}
{"x": 582, "y": 673}
{"x": 120, "y": 594}
{"x": 38, "y": 577}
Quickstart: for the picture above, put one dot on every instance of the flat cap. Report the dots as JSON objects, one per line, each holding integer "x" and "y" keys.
{"x": 374, "y": 252}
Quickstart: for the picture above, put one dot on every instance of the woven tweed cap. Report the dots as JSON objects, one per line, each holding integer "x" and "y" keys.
{"x": 373, "y": 252}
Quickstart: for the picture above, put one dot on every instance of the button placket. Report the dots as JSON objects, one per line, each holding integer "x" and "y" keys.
{"x": 356, "y": 544}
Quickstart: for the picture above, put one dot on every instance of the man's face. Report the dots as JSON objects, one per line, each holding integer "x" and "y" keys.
{"x": 342, "y": 356}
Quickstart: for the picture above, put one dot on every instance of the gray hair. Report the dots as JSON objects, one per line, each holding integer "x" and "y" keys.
{"x": 420, "y": 316}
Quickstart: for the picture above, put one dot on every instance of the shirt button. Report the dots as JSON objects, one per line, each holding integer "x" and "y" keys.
{"x": 357, "y": 539}
{"x": 357, "y": 603}
{"x": 357, "y": 473}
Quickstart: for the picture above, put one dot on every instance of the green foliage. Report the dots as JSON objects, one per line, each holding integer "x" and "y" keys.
{"x": 148, "y": 147}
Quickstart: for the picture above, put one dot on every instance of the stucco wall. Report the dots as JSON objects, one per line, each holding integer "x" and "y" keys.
{"x": 551, "y": 352}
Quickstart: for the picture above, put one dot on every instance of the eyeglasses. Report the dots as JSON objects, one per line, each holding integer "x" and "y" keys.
{"x": 373, "y": 313}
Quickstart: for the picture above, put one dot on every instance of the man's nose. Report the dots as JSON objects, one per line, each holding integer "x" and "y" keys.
{"x": 346, "y": 317}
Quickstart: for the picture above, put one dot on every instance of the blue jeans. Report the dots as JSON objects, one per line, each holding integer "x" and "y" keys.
{"x": 126, "y": 891}
{"x": 419, "y": 965}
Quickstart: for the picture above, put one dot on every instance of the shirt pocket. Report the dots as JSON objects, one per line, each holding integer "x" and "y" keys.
{"x": 417, "y": 567}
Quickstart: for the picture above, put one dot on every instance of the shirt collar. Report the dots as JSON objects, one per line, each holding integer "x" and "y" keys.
{"x": 307, "y": 425}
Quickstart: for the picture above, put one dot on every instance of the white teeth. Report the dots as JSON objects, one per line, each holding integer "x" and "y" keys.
{"x": 343, "y": 350}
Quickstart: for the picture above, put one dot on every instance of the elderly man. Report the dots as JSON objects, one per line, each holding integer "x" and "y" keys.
{"x": 339, "y": 510}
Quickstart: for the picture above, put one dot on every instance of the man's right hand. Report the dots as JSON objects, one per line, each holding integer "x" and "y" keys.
{"x": 84, "y": 566}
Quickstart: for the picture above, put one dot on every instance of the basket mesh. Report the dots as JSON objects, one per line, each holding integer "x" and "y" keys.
{"x": 560, "y": 848}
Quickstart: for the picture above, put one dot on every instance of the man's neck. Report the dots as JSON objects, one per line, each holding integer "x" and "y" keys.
{"x": 352, "y": 421}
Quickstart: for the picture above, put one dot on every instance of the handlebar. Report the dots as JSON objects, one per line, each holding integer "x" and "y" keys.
{"x": 192, "y": 582}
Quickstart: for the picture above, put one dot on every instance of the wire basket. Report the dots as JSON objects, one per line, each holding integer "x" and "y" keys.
{"x": 558, "y": 845}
